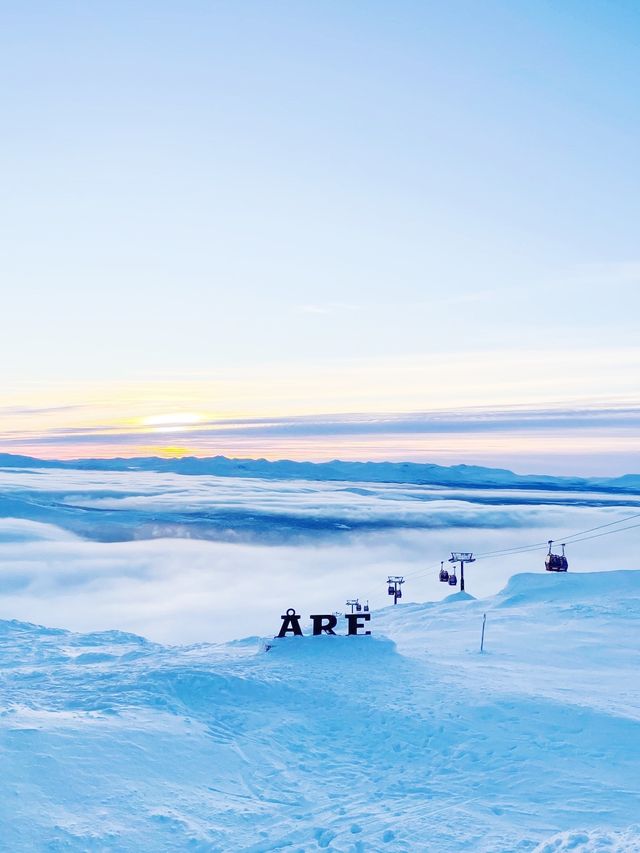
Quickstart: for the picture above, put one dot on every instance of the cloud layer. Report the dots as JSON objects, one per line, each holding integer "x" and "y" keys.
{"x": 190, "y": 590}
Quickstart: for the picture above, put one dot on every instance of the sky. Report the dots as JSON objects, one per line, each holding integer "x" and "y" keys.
{"x": 409, "y": 214}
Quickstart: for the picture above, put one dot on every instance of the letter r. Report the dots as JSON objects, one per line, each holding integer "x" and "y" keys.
{"x": 323, "y": 623}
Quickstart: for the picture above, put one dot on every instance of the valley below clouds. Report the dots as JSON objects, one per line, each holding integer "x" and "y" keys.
{"x": 187, "y": 559}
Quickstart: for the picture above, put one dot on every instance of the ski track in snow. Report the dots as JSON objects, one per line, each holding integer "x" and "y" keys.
{"x": 410, "y": 740}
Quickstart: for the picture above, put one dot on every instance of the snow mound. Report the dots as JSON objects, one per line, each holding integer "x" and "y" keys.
{"x": 458, "y": 596}
{"x": 571, "y": 587}
{"x": 338, "y": 648}
{"x": 596, "y": 841}
{"x": 406, "y": 740}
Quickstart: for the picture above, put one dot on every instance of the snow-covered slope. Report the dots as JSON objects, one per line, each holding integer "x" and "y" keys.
{"x": 408, "y": 740}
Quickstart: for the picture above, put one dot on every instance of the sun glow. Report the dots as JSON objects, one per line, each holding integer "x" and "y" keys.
{"x": 179, "y": 419}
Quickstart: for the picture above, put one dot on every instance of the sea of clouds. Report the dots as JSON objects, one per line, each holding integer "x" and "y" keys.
{"x": 184, "y": 559}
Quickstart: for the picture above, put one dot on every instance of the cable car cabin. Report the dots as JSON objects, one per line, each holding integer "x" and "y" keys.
{"x": 399, "y": 594}
{"x": 444, "y": 574}
{"x": 392, "y": 590}
{"x": 453, "y": 580}
{"x": 556, "y": 562}
{"x": 366, "y": 608}
{"x": 358, "y": 608}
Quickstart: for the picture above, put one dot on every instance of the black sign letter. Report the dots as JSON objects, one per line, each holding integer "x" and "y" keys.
{"x": 355, "y": 623}
{"x": 324, "y": 622}
{"x": 290, "y": 624}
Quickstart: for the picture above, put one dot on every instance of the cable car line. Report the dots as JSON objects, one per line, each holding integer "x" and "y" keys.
{"x": 607, "y": 533}
{"x": 566, "y": 539}
{"x": 570, "y": 539}
{"x": 515, "y": 549}
{"x": 600, "y": 526}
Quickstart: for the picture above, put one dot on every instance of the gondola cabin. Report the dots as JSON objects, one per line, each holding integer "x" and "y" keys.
{"x": 556, "y": 562}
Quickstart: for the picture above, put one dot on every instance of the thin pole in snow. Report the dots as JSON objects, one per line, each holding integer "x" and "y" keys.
{"x": 484, "y": 620}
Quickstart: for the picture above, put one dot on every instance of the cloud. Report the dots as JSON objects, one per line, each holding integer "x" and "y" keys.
{"x": 190, "y": 590}
{"x": 38, "y": 410}
{"x": 583, "y": 440}
{"x": 126, "y": 505}
{"x": 474, "y": 420}
{"x": 423, "y": 407}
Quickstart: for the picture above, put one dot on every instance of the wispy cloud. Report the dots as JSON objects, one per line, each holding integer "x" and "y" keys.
{"x": 577, "y": 412}
{"x": 464, "y": 420}
{"x": 598, "y": 440}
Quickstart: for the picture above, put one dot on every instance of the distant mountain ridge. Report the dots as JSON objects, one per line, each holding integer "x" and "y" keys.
{"x": 335, "y": 470}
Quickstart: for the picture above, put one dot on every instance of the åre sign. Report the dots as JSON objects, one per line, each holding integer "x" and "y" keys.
{"x": 323, "y": 623}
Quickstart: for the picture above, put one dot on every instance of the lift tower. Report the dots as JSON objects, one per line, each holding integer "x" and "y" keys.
{"x": 462, "y": 557}
{"x": 394, "y": 587}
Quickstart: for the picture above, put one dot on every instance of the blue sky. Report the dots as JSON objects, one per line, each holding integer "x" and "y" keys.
{"x": 205, "y": 194}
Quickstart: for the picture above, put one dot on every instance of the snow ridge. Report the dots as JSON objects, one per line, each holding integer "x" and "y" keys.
{"x": 337, "y": 469}
{"x": 406, "y": 740}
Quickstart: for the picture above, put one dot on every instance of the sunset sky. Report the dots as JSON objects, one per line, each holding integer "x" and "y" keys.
{"x": 314, "y": 230}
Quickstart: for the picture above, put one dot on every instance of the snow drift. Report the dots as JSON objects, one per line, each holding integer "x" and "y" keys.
{"x": 406, "y": 740}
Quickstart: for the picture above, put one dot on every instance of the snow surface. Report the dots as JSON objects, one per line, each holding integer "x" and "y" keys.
{"x": 408, "y": 740}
